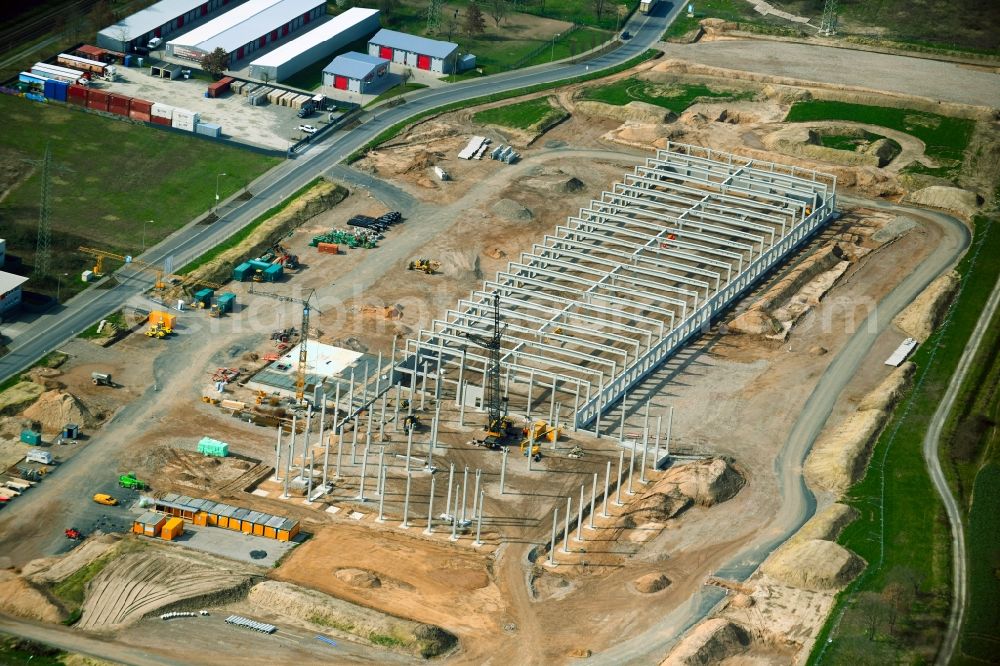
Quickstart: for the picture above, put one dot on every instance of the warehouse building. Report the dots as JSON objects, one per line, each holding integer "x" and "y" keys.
{"x": 247, "y": 29}
{"x": 357, "y": 72}
{"x": 157, "y": 21}
{"x": 412, "y": 51}
{"x": 322, "y": 41}
{"x": 10, "y": 291}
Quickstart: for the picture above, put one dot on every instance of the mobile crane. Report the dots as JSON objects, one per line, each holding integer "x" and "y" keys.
{"x": 500, "y": 428}
{"x": 300, "y": 377}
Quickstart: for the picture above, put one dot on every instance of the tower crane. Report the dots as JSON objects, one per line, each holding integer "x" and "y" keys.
{"x": 179, "y": 281}
{"x": 300, "y": 377}
{"x": 499, "y": 426}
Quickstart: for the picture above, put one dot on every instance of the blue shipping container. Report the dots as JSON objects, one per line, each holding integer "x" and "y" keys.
{"x": 203, "y": 295}
{"x": 242, "y": 272}
{"x": 56, "y": 90}
{"x": 226, "y": 301}
{"x": 273, "y": 272}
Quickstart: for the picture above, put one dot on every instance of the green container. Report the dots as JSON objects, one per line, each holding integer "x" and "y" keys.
{"x": 31, "y": 437}
{"x": 213, "y": 447}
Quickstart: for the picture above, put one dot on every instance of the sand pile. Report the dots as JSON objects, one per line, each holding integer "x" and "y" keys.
{"x": 651, "y": 582}
{"x": 512, "y": 210}
{"x": 827, "y": 524}
{"x": 709, "y": 643}
{"x": 920, "y": 318}
{"x": 358, "y": 578}
{"x": 894, "y": 229}
{"x": 18, "y": 597}
{"x": 55, "y": 569}
{"x": 46, "y": 377}
{"x": 755, "y": 322}
{"x": 813, "y": 564}
{"x": 839, "y": 458}
{"x": 318, "y": 609}
{"x": 54, "y": 409}
{"x": 704, "y": 482}
{"x": 635, "y": 111}
{"x": 19, "y": 396}
{"x": 952, "y": 199}
{"x": 462, "y": 265}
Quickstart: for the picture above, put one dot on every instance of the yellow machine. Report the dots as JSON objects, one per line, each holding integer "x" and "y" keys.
{"x": 544, "y": 432}
{"x": 158, "y": 330}
{"x": 536, "y": 450}
{"x": 428, "y": 266}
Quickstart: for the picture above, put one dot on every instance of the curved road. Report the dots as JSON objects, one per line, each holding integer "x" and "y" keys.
{"x": 798, "y": 503}
{"x": 51, "y": 330}
{"x": 932, "y": 441}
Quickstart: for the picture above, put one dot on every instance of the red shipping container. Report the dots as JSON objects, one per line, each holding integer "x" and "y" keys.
{"x": 98, "y": 96}
{"x": 141, "y": 105}
{"x": 77, "y": 91}
{"x": 220, "y": 86}
{"x": 118, "y": 110}
{"x": 328, "y": 248}
{"x": 79, "y": 101}
{"x": 160, "y": 121}
{"x": 96, "y": 105}
{"x": 139, "y": 115}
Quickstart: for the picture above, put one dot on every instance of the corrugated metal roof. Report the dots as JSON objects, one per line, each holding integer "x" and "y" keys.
{"x": 150, "y": 18}
{"x": 316, "y": 36}
{"x": 149, "y": 518}
{"x": 10, "y": 282}
{"x": 275, "y": 522}
{"x": 240, "y": 514}
{"x": 354, "y": 65}
{"x": 413, "y": 43}
{"x": 245, "y": 23}
{"x": 170, "y": 497}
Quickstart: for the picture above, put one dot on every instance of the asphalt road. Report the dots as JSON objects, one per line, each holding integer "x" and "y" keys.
{"x": 932, "y": 442}
{"x": 51, "y": 330}
{"x": 797, "y": 502}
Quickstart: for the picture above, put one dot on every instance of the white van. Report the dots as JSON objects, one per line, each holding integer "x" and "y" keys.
{"x": 154, "y": 43}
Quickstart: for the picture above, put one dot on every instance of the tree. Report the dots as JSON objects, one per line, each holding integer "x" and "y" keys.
{"x": 216, "y": 62}
{"x": 498, "y": 10}
{"x": 388, "y": 8}
{"x": 101, "y": 15}
{"x": 599, "y": 6}
{"x": 475, "y": 24}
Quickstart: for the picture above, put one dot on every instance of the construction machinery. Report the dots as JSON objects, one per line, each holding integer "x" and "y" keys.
{"x": 500, "y": 428}
{"x": 130, "y": 482}
{"x": 428, "y": 266}
{"x": 158, "y": 330}
{"x": 101, "y": 255}
{"x": 101, "y": 378}
{"x": 300, "y": 379}
{"x": 73, "y": 534}
{"x": 536, "y": 450}
{"x": 411, "y": 422}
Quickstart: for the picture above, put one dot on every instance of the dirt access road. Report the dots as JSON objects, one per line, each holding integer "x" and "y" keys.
{"x": 798, "y": 503}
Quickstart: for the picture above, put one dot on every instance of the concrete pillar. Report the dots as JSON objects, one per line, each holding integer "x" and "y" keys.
{"x": 309, "y": 481}
{"x": 656, "y": 447}
{"x": 552, "y": 403}
{"x": 291, "y": 445}
{"x": 430, "y": 447}
{"x": 354, "y": 442}
{"x": 336, "y": 407}
{"x": 277, "y": 456}
{"x": 350, "y": 396}
{"x": 621, "y": 430}
{"x": 607, "y": 491}
{"x": 475, "y": 494}
{"x": 479, "y": 519}
{"x": 645, "y": 449}
{"x": 381, "y": 418}
{"x": 437, "y": 374}
{"x": 430, "y": 510}
{"x": 423, "y": 386}
{"x": 380, "y": 488}
{"x": 409, "y": 448}
{"x": 306, "y": 444}
{"x": 461, "y": 401}
{"x": 340, "y": 450}
{"x": 451, "y": 482}
{"x": 288, "y": 472}
{"x": 503, "y": 469}
{"x": 454, "y": 522}
{"x": 406, "y": 504}
{"x": 569, "y": 512}
{"x": 459, "y": 395}
{"x": 631, "y": 466}
{"x": 531, "y": 390}
{"x": 618, "y": 489}
{"x": 593, "y": 499}
{"x": 579, "y": 517}
{"x": 465, "y": 490}
{"x": 576, "y": 405}
{"x": 395, "y": 409}
{"x": 670, "y": 424}
{"x": 378, "y": 379}
{"x": 325, "y": 443}
{"x": 600, "y": 409}
{"x": 364, "y": 470}
{"x": 381, "y": 500}
{"x": 552, "y": 541}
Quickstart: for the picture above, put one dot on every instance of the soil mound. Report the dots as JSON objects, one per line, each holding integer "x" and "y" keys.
{"x": 894, "y": 229}
{"x": 19, "y": 396}
{"x": 18, "y": 597}
{"x": 54, "y": 409}
{"x": 359, "y": 578}
{"x": 922, "y": 316}
{"x": 755, "y": 322}
{"x": 462, "y": 265}
{"x": 574, "y": 184}
{"x": 813, "y": 564}
{"x": 953, "y": 199}
{"x": 635, "y": 111}
{"x": 709, "y": 643}
{"x": 512, "y": 210}
{"x": 651, "y": 582}
{"x": 55, "y": 569}
{"x": 706, "y": 482}
{"x": 318, "y": 609}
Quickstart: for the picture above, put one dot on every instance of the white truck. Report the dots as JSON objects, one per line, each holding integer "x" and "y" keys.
{"x": 39, "y": 456}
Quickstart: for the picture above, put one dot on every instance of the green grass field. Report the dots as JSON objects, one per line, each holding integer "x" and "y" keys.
{"x": 532, "y": 114}
{"x": 980, "y": 641}
{"x": 677, "y": 98}
{"x": 109, "y": 178}
{"x": 902, "y": 530}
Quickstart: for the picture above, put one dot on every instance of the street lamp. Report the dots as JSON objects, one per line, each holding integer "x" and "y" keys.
{"x": 59, "y": 285}
{"x": 144, "y": 235}
{"x": 217, "y": 189}
{"x": 552, "y": 54}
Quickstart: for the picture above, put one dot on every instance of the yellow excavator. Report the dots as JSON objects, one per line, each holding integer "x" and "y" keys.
{"x": 428, "y": 266}
{"x": 158, "y": 330}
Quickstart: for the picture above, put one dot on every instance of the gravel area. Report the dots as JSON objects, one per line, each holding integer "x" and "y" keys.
{"x": 914, "y": 76}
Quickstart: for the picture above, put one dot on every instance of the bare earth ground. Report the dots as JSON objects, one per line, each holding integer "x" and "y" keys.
{"x": 505, "y": 608}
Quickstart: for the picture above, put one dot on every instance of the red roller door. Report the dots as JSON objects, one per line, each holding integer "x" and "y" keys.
{"x": 204, "y": 9}
{"x": 239, "y": 53}
{"x": 423, "y": 62}
{"x": 180, "y": 22}
{"x": 340, "y": 82}
{"x": 385, "y": 52}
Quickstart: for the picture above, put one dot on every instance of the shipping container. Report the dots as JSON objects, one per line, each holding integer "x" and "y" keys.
{"x": 142, "y": 105}
{"x": 226, "y": 301}
{"x": 159, "y": 110}
{"x": 56, "y": 72}
{"x": 328, "y": 248}
{"x": 273, "y": 272}
{"x": 208, "y": 129}
{"x": 220, "y": 86}
{"x": 31, "y": 437}
{"x": 139, "y": 115}
{"x": 77, "y": 91}
{"x": 160, "y": 317}
{"x": 243, "y": 272}
{"x": 82, "y": 64}
{"x": 97, "y": 103}
{"x": 172, "y": 529}
{"x": 160, "y": 121}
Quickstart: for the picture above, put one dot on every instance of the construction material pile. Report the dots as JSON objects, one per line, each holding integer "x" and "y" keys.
{"x": 351, "y": 238}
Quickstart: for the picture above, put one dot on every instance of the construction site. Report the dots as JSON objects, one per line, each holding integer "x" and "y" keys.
{"x": 537, "y": 411}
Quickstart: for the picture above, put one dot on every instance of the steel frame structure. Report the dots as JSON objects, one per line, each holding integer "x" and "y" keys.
{"x": 609, "y": 296}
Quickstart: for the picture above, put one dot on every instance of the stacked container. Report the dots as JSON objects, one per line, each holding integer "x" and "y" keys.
{"x": 161, "y": 113}
{"x": 184, "y": 119}
{"x": 141, "y": 110}
{"x": 57, "y": 90}
{"x": 208, "y": 129}
{"x": 77, "y": 95}
{"x": 119, "y": 104}
{"x": 172, "y": 529}
{"x": 97, "y": 100}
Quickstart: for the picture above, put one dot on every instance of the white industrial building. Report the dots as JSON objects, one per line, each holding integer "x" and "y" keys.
{"x": 10, "y": 291}
{"x": 320, "y": 42}
{"x": 247, "y": 29}
{"x": 357, "y": 72}
{"x": 412, "y": 51}
{"x": 606, "y": 298}
{"x": 159, "y": 20}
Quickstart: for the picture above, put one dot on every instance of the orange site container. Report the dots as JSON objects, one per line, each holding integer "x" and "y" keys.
{"x": 328, "y": 248}
{"x": 159, "y": 317}
{"x": 172, "y": 529}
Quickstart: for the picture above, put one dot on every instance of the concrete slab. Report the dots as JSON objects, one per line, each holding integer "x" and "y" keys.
{"x": 234, "y": 545}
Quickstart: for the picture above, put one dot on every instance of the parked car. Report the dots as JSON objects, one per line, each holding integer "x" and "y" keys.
{"x": 154, "y": 42}
{"x": 308, "y": 129}
{"x": 626, "y": 35}
{"x": 105, "y": 499}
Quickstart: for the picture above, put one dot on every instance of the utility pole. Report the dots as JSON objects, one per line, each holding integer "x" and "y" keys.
{"x": 828, "y": 24}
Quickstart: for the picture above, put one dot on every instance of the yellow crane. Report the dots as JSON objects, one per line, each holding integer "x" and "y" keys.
{"x": 300, "y": 375}
{"x": 178, "y": 281}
